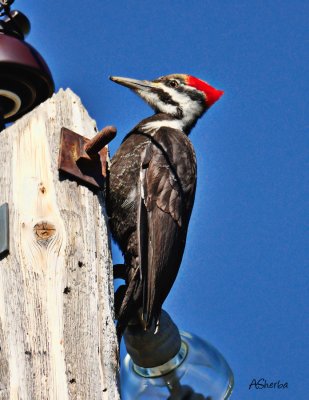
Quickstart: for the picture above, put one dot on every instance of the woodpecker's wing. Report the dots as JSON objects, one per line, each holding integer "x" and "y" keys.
{"x": 167, "y": 189}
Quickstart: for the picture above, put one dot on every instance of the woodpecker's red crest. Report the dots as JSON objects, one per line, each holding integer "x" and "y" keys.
{"x": 211, "y": 94}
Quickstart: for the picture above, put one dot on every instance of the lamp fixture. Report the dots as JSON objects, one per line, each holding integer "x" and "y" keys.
{"x": 172, "y": 365}
{"x": 25, "y": 80}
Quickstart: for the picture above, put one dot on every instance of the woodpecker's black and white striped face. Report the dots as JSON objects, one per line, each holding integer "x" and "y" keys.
{"x": 181, "y": 96}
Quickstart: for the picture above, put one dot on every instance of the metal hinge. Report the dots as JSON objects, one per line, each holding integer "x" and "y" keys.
{"x": 84, "y": 159}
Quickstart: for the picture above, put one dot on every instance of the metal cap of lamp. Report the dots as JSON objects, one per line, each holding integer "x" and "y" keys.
{"x": 172, "y": 365}
{"x": 25, "y": 80}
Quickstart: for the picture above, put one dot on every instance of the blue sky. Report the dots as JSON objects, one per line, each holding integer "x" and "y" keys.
{"x": 243, "y": 283}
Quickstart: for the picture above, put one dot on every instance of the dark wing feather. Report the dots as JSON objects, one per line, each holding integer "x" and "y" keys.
{"x": 167, "y": 188}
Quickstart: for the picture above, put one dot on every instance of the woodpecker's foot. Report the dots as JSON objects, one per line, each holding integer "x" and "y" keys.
{"x": 119, "y": 296}
{"x": 120, "y": 271}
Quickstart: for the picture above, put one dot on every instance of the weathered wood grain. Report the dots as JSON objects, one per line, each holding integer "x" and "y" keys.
{"x": 57, "y": 336}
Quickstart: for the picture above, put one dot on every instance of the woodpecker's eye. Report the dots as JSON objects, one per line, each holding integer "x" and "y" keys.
{"x": 173, "y": 83}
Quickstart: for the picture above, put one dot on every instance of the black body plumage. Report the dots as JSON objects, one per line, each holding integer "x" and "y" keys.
{"x": 151, "y": 192}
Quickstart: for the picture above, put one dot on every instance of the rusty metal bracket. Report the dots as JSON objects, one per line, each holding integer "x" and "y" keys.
{"x": 85, "y": 159}
{"x": 4, "y": 230}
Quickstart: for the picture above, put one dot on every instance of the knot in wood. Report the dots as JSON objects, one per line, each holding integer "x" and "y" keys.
{"x": 44, "y": 230}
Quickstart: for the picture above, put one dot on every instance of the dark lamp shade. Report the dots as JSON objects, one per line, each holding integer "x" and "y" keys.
{"x": 25, "y": 80}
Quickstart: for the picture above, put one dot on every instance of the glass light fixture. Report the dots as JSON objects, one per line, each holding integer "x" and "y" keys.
{"x": 197, "y": 371}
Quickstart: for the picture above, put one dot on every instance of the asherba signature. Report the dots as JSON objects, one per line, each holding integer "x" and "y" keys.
{"x": 263, "y": 384}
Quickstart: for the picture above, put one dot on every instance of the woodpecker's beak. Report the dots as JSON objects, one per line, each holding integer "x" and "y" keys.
{"x": 133, "y": 84}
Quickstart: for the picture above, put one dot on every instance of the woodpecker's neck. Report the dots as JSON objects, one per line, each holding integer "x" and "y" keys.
{"x": 159, "y": 120}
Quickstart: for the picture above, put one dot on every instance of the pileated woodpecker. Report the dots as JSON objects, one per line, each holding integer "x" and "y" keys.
{"x": 152, "y": 181}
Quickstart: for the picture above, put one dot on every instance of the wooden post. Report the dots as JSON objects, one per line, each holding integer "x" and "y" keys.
{"x": 57, "y": 336}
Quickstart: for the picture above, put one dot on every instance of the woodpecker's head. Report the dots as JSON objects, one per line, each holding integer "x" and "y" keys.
{"x": 183, "y": 97}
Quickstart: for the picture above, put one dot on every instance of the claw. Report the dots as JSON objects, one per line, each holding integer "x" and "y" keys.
{"x": 119, "y": 296}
